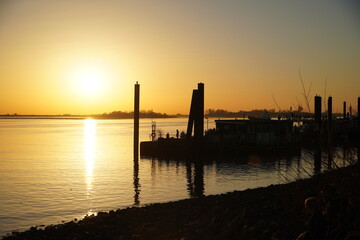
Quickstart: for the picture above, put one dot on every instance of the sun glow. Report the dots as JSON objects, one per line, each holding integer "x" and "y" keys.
{"x": 89, "y": 82}
{"x": 89, "y": 79}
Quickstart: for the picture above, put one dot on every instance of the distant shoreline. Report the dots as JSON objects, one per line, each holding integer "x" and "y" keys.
{"x": 64, "y": 118}
{"x": 73, "y": 118}
{"x": 110, "y": 115}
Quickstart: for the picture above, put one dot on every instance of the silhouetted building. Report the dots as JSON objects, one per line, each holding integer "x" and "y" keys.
{"x": 255, "y": 132}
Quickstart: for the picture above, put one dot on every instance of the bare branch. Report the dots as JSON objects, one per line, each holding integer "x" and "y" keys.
{"x": 299, "y": 102}
{"x": 302, "y": 82}
{"x": 306, "y": 94}
{"x": 276, "y": 103}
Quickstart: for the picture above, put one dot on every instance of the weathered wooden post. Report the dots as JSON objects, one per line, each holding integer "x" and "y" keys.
{"x": 329, "y": 125}
{"x": 136, "y": 144}
{"x": 136, "y": 119}
{"x": 196, "y": 116}
{"x": 199, "y": 119}
{"x": 329, "y": 115}
{"x": 344, "y": 110}
{"x": 136, "y": 182}
{"x": 318, "y": 112}
{"x": 192, "y": 113}
{"x": 358, "y": 131}
{"x": 358, "y": 113}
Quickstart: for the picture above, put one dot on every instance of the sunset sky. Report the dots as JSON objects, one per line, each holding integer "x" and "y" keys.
{"x": 84, "y": 56}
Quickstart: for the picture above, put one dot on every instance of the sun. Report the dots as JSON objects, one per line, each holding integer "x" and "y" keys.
{"x": 88, "y": 80}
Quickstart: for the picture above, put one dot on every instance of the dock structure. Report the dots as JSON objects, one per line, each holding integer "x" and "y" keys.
{"x": 254, "y": 135}
{"x": 196, "y": 116}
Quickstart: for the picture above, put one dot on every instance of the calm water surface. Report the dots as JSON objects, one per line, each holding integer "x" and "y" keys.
{"x": 55, "y": 170}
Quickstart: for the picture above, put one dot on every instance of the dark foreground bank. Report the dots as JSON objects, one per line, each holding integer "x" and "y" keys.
{"x": 274, "y": 212}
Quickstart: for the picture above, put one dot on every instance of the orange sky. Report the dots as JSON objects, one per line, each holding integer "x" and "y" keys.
{"x": 84, "y": 57}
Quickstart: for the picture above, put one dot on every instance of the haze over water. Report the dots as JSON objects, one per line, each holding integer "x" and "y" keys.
{"x": 83, "y": 57}
{"x": 54, "y": 170}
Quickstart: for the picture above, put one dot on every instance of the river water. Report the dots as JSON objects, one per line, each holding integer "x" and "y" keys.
{"x": 54, "y": 170}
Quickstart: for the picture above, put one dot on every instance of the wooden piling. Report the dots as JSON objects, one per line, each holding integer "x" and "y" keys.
{"x": 329, "y": 115}
{"x": 136, "y": 119}
{"x": 358, "y": 114}
{"x": 196, "y": 116}
{"x": 318, "y": 111}
{"x": 192, "y": 113}
{"x": 329, "y": 134}
{"x": 199, "y": 119}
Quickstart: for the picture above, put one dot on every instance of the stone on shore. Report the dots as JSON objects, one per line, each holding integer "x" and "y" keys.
{"x": 274, "y": 212}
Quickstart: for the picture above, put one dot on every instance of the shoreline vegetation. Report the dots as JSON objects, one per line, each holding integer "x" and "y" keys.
{"x": 111, "y": 115}
{"x": 209, "y": 113}
{"x": 274, "y": 212}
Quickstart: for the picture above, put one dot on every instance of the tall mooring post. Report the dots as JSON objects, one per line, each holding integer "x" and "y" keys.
{"x": 192, "y": 113}
{"x": 329, "y": 133}
{"x": 199, "y": 118}
{"x": 318, "y": 111}
{"x": 136, "y": 181}
{"x": 358, "y": 115}
{"x": 358, "y": 128}
{"x": 136, "y": 119}
{"x": 329, "y": 115}
{"x": 196, "y": 116}
{"x": 344, "y": 110}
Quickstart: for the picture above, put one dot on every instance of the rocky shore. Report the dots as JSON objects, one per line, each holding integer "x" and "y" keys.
{"x": 274, "y": 212}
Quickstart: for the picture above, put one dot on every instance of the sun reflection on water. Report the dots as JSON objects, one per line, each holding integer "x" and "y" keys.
{"x": 89, "y": 152}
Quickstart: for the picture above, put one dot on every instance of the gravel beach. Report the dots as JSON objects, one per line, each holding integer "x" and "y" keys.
{"x": 274, "y": 212}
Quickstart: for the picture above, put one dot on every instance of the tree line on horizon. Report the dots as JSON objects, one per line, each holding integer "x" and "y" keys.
{"x": 124, "y": 114}
{"x": 114, "y": 114}
{"x": 209, "y": 113}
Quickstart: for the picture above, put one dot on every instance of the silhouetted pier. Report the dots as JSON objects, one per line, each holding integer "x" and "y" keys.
{"x": 258, "y": 135}
{"x": 255, "y": 135}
